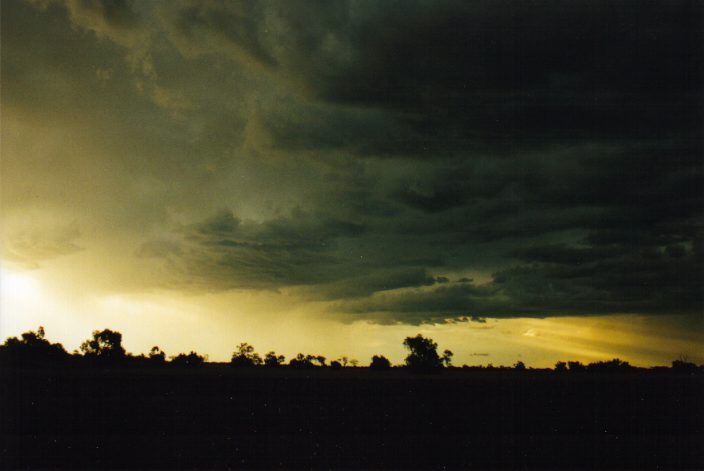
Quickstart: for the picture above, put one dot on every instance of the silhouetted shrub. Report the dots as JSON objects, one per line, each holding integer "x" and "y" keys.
{"x": 576, "y": 366}
{"x": 519, "y": 366}
{"x": 380, "y": 363}
{"x": 245, "y": 356}
{"x": 188, "y": 360}
{"x": 335, "y": 365}
{"x": 560, "y": 366}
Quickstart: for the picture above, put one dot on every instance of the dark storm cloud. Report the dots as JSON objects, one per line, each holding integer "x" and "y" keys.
{"x": 438, "y": 304}
{"x": 549, "y": 242}
{"x": 224, "y": 252}
{"x": 116, "y": 20}
{"x": 442, "y": 78}
{"x": 459, "y": 75}
{"x": 226, "y": 27}
{"x": 539, "y": 68}
{"x": 439, "y": 199}
{"x": 622, "y": 279}
{"x": 302, "y": 249}
{"x": 325, "y": 127}
{"x": 117, "y": 14}
{"x": 637, "y": 191}
{"x": 366, "y": 284}
{"x": 455, "y": 160}
{"x": 557, "y": 281}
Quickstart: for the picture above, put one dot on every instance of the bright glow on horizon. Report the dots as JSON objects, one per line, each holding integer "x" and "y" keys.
{"x": 19, "y": 292}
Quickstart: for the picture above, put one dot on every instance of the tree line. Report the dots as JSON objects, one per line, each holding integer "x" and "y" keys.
{"x": 105, "y": 348}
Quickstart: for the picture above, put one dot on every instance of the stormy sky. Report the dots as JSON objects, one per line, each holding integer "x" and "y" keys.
{"x": 388, "y": 164}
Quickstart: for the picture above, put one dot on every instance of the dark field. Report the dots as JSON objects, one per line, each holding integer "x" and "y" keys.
{"x": 219, "y": 418}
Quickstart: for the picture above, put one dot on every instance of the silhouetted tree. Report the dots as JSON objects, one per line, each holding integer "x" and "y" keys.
{"x": 343, "y": 360}
{"x": 354, "y": 362}
{"x": 576, "y": 366}
{"x": 272, "y": 359}
{"x": 380, "y": 363}
{"x": 335, "y": 365}
{"x": 560, "y": 366}
{"x": 424, "y": 354}
{"x": 190, "y": 360}
{"x": 106, "y": 345}
{"x": 245, "y": 356}
{"x": 446, "y": 358}
{"x": 31, "y": 348}
{"x": 519, "y": 366}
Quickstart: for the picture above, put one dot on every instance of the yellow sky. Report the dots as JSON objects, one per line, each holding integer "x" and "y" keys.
{"x": 213, "y": 324}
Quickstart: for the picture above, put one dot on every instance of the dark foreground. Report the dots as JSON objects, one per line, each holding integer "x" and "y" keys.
{"x": 217, "y": 418}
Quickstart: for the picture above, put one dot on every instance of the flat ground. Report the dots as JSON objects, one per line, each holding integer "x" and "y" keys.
{"x": 219, "y": 418}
